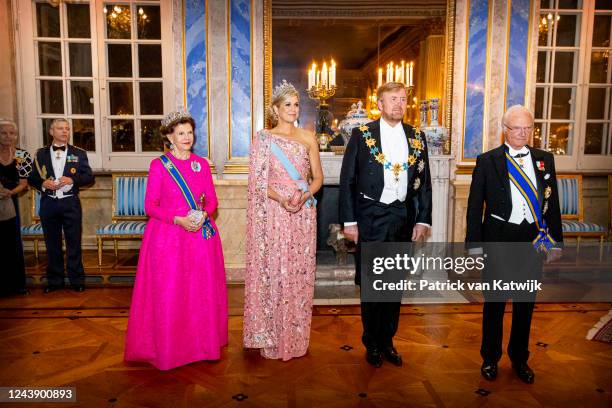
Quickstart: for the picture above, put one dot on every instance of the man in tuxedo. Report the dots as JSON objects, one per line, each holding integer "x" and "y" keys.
{"x": 60, "y": 171}
{"x": 513, "y": 199}
{"x": 385, "y": 196}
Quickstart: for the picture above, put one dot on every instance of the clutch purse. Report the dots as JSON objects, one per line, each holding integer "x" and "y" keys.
{"x": 295, "y": 198}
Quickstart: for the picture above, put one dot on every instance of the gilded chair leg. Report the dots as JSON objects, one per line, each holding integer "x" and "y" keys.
{"x": 99, "y": 251}
{"x": 116, "y": 250}
{"x": 36, "y": 250}
{"x": 601, "y": 244}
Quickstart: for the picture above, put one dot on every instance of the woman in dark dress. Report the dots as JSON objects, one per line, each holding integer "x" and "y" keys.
{"x": 15, "y": 166}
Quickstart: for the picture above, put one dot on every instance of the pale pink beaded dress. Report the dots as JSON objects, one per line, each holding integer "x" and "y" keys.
{"x": 281, "y": 249}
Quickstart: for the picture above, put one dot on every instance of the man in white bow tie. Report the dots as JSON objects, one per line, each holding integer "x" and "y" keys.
{"x": 61, "y": 170}
{"x": 513, "y": 199}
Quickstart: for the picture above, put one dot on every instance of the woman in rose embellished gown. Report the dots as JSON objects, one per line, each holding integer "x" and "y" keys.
{"x": 179, "y": 309}
{"x": 285, "y": 172}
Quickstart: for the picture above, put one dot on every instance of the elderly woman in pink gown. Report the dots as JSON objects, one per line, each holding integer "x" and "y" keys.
{"x": 179, "y": 306}
{"x": 285, "y": 172}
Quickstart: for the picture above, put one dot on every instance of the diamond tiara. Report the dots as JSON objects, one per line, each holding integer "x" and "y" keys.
{"x": 283, "y": 87}
{"x": 175, "y": 116}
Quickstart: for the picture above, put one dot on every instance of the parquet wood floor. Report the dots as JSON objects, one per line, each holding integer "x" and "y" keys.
{"x": 70, "y": 339}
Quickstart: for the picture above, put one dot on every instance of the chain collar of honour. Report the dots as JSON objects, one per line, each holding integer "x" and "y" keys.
{"x": 416, "y": 144}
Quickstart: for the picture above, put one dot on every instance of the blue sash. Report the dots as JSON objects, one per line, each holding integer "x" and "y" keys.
{"x": 207, "y": 229}
{"x": 293, "y": 172}
{"x": 543, "y": 242}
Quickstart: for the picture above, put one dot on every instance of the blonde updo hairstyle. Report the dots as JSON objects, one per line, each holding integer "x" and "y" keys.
{"x": 277, "y": 99}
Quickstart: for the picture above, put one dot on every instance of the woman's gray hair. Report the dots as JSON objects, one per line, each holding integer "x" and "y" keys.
{"x": 4, "y": 121}
{"x": 514, "y": 109}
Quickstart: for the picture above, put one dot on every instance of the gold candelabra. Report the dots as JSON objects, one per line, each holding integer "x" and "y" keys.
{"x": 321, "y": 87}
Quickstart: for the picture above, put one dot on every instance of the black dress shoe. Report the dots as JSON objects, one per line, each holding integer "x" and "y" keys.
{"x": 52, "y": 288}
{"x": 392, "y": 356}
{"x": 23, "y": 292}
{"x": 525, "y": 373}
{"x": 374, "y": 357}
{"x": 489, "y": 371}
{"x": 78, "y": 288}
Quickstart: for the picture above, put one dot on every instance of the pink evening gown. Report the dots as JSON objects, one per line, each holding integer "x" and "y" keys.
{"x": 179, "y": 310}
{"x": 281, "y": 250}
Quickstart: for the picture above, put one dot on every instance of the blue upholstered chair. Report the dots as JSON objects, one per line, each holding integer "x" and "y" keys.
{"x": 128, "y": 216}
{"x": 33, "y": 232}
{"x": 572, "y": 210}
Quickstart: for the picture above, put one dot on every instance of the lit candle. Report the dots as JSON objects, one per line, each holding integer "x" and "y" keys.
{"x": 402, "y": 72}
{"x": 311, "y": 75}
{"x": 318, "y": 80}
{"x": 410, "y": 73}
{"x": 309, "y": 78}
{"x": 398, "y": 76}
{"x": 324, "y": 74}
{"x": 379, "y": 77}
{"x": 332, "y": 76}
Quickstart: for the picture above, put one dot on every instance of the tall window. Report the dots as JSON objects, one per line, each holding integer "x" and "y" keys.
{"x": 64, "y": 75}
{"x": 599, "y": 113}
{"x": 572, "y": 106}
{"x": 134, "y": 71}
{"x": 107, "y": 67}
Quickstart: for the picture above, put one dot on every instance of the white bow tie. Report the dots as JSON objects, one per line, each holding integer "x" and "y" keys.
{"x": 522, "y": 151}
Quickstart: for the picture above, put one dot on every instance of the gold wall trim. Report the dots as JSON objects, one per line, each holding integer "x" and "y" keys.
{"x": 207, "y": 82}
{"x": 508, "y": 21}
{"x": 465, "y": 169}
{"x": 529, "y": 68}
{"x": 450, "y": 49}
{"x": 237, "y": 168}
{"x": 528, "y": 59}
{"x": 465, "y": 73}
{"x": 487, "y": 81}
{"x": 229, "y": 75}
{"x": 184, "y": 62}
{"x": 487, "y": 84}
{"x": 450, "y": 64}
{"x": 267, "y": 33}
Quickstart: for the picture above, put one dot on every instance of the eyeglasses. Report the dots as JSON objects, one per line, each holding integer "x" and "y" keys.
{"x": 518, "y": 129}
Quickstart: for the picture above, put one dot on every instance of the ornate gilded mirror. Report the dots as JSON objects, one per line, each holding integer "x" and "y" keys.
{"x": 361, "y": 39}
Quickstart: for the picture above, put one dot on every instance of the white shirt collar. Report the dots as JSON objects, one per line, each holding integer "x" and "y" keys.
{"x": 514, "y": 152}
{"x": 384, "y": 124}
